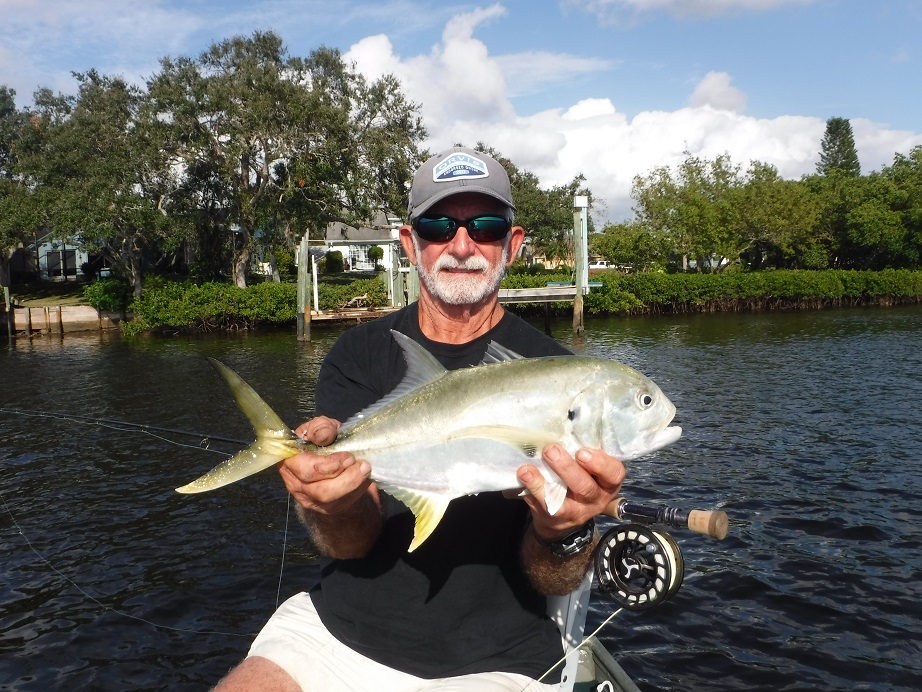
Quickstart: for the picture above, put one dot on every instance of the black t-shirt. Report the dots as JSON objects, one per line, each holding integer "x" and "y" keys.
{"x": 460, "y": 603}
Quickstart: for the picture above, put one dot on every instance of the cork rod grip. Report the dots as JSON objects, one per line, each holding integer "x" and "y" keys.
{"x": 713, "y": 523}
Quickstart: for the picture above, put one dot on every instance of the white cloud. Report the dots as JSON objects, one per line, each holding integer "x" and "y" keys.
{"x": 35, "y": 32}
{"x": 626, "y": 11}
{"x": 716, "y": 91}
{"x": 463, "y": 96}
{"x": 531, "y": 71}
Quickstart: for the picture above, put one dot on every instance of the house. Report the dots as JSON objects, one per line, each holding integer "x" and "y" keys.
{"x": 55, "y": 260}
{"x": 355, "y": 242}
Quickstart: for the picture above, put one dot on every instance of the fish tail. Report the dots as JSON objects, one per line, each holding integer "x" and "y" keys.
{"x": 274, "y": 440}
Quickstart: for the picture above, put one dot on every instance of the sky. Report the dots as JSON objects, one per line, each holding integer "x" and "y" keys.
{"x": 609, "y": 89}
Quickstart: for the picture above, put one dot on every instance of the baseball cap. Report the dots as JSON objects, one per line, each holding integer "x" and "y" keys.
{"x": 458, "y": 170}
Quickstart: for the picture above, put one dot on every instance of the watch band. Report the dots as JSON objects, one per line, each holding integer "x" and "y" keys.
{"x": 571, "y": 544}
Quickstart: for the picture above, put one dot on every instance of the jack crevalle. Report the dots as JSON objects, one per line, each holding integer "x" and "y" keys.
{"x": 443, "y": 434}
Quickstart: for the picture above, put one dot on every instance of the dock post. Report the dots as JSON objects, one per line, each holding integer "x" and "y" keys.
{"x": 304, "y": 288}
{"x": 10, "y": 316}
{"x": 581, "y": 258}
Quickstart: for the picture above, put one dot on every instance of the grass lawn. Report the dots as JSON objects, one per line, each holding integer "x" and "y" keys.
{"x": 38, "y": 294}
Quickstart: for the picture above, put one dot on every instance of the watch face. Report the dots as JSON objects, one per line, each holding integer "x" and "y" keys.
{"x": 573, "y": 542}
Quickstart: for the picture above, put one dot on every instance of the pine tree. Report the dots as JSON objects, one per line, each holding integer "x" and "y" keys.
{"x": 838, "y": 149}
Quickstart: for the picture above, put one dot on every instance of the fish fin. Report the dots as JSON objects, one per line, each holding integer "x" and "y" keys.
{"x": 428, "y": 508}
{"x": 274, "y": 440}
{"x": 263, "y": 419}
{"x": 530, "y": 443}
{"x": 499, "y": 354}
{"x": 258, "y": 456}
{"x": 555, "y": 492}
{"x": 422, "y": 368}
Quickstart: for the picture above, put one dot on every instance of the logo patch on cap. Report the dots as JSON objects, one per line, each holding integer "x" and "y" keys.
{"x": 459, "y": 165}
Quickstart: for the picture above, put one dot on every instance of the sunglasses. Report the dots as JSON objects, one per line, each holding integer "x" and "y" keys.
{"x": 481, "y": 229}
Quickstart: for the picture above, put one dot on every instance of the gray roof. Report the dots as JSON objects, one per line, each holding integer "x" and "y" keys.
{"x": 378, "y": 229}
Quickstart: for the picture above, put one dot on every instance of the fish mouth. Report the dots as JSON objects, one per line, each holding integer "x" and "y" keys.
{"x": 664, "y": 437}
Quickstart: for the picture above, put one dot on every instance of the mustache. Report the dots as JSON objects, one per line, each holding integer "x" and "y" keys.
{"x": 473, "y": 263}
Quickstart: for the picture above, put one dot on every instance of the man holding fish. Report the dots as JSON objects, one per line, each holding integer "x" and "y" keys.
{"x": 420, "y": 593}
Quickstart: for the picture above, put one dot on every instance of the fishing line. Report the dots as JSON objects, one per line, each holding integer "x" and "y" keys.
{"x": 576, "y": 648}
{"x": 125, "y": 426}
{"x": 151, "y": 430}
{"x": 96, "y": 600}
{"x": 278, "y": 594}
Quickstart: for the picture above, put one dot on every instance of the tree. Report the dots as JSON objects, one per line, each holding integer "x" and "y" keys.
{"x": 23, "y": 206}
{"x": 838, "y": 151}
{"x": 286, "y": 142}
{"x": 545, "y": 214}
{"x": 779, "y": 222}
{"x": 630, "y": 244}
{"x": 102, "y": 176}
{"x": 906, "y": 176}
{"x": 693, "y": 210}
{"x": 375, "y": 255}
{"x": 14, "y": 197}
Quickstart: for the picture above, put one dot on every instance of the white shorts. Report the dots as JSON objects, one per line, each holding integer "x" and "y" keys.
{"x": 296, "y": 640}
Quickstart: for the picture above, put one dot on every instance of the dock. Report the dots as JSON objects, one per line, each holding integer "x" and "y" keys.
{"x": 553, "y": 292}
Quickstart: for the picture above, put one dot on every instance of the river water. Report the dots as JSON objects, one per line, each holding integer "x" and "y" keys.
{"x": 803, "y": 426}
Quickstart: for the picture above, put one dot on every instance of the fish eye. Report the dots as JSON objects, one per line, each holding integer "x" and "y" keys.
{"x": 645, "y": 399}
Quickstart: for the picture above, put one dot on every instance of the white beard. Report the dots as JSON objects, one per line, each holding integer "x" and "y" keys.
{"x": 461, "y": 289}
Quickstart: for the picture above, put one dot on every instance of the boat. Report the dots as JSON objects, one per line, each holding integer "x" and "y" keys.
{"x": 588, "y": 666}
{"x": 598, "y": 671}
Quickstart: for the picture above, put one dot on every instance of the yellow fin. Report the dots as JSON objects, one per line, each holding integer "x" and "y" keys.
{"x": 529, "y": 442}
{"x": 428, "y": 508}
{"x": 258, "y": 456}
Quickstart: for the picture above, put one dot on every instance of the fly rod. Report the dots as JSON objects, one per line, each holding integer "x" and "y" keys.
{"x": 713, "y": 523}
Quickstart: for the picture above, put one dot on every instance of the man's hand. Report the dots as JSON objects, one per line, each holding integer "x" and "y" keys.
{"x": 337, "y": 500}
{"x": 327, "y": 484}
{"x": 593, "y": 480}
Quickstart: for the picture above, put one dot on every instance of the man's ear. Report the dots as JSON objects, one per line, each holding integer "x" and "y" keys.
{"x": 516, "y": 240}
{"x": 406, "y": 240}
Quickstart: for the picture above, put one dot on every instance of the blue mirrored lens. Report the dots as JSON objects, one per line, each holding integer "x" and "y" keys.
{"x": 481, "y": 229}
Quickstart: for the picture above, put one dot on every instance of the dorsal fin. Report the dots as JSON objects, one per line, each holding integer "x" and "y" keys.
{"x": 499, "y": 354}
{"x": 422, "y": 368}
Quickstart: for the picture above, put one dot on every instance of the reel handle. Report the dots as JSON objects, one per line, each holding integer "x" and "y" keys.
{"x": 713, "y": 523}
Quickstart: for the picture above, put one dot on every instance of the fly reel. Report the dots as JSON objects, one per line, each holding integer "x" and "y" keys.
{"x": 638, "y": 567}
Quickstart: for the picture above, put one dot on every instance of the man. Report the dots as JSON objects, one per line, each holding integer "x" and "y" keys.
{"x": 465, "y": 611}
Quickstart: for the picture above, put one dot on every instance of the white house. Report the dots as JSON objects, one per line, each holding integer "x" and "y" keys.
{"x": 355, "y": 242}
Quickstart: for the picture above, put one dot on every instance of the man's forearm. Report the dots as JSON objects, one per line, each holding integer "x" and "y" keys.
{"x": 347, "y": 534}
{"x": 552, "y": 575}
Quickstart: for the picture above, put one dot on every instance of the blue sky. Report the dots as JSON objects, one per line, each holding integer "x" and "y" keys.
{"x": 607, "y": 88}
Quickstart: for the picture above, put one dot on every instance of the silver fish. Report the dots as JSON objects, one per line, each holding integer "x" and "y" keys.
{"x": 443, "y": 434}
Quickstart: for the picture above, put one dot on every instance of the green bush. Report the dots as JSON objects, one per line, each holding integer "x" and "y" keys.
{"x": 652, "y": 292}
{"x": 333, "y": 263}
{"x": 367, "y": 292}
{"x": 214, "y": 306}
{"x": 211, "y": 306}
{"x": 111, "y": 295}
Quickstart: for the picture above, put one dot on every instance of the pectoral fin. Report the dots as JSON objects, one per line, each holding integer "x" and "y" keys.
{"x": 428, "y": 508}
{"x": 530, "y": 443}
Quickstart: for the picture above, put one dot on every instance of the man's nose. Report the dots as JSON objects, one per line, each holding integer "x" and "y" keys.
{"x": 461, "y": 245}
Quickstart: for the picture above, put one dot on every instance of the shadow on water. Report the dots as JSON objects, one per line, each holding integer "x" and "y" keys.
{"x": 802, "y": 426}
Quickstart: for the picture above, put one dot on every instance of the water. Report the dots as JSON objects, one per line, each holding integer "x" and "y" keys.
{"x": 804, "y": 427}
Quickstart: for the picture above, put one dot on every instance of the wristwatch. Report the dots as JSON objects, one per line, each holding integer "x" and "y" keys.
{"x": 572, "y": 543}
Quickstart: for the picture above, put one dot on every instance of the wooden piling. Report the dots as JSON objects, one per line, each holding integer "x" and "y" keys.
{"x": 304, "y": 291}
